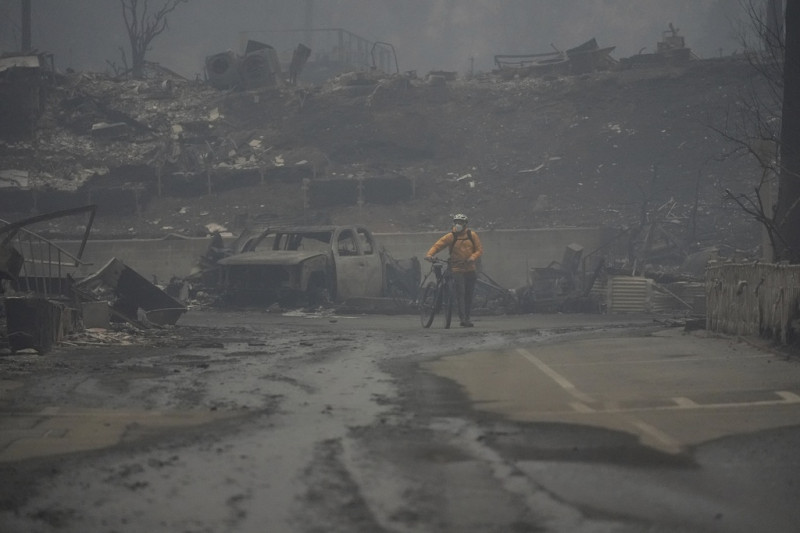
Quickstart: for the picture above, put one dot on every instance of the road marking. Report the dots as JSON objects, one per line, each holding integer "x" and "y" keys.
{"x": 684, "y": 402}
{"x": 666, "y": 442}
{"x": 790, "y": 397}
{"x": 560, "y": 380}
{"x": 676, "y": 359}
{"x": 646, "y": 431}
{"x": 581, "y": 407}
{"x": 786, "y": 398}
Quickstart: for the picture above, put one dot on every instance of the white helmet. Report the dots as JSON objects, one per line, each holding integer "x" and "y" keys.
{"x": 460, "y": 218}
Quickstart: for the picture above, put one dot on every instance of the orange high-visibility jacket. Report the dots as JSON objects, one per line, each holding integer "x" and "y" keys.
{"x": 461, "y": 249}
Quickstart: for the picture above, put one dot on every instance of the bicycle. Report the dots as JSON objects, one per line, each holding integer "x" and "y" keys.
{"x": 436, "y": 294}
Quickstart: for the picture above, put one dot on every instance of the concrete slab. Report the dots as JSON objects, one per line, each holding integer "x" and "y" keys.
{"x": 56, "y": 431}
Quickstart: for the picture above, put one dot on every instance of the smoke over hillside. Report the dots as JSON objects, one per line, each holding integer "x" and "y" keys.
{"x": 427, "y": 34}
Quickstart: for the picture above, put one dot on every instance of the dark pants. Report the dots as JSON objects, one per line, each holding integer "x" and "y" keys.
{"x": 464, "y": 283}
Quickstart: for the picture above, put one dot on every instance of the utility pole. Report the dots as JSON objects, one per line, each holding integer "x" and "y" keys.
{"x": 26, "y": 26}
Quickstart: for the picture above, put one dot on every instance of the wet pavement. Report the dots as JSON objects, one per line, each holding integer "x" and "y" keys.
{"x": 671, "y": 389}
{"x": 251, "y": 421}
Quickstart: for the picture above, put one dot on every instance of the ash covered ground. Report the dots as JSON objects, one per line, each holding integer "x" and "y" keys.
{"x": 620, "y": 148}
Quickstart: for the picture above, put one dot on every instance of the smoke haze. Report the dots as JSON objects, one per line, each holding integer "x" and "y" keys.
{"x": 426, "y": 34}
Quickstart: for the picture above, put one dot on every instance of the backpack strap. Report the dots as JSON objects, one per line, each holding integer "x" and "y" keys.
{"x": 469, "y": 236}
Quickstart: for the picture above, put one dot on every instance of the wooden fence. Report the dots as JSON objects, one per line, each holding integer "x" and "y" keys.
{"x": 753, "y": 300}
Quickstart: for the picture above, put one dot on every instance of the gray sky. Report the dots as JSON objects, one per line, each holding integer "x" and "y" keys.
{"x": 426, "y": 34}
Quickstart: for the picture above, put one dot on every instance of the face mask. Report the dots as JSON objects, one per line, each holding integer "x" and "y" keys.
{"x": 459, "y": 227}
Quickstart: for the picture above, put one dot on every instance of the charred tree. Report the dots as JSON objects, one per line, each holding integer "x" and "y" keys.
{"x": 769, "y": 123}
{"x": 144, "y": 25}
{"x": 787, "y": 213}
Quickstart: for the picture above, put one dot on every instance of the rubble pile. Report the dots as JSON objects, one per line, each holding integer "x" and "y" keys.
{"x": 169, "y": 155}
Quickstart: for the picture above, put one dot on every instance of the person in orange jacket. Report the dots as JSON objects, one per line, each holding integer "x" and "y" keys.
{"x": 465, "y": 249}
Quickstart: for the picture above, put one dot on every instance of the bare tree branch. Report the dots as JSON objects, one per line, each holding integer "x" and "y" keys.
{"x": 143, "y": 26}
{"x": 758, "y": 125}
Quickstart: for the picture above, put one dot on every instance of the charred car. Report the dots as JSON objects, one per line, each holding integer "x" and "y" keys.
{"x": 303, "y": 265}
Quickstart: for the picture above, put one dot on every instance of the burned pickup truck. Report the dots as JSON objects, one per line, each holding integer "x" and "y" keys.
{"x": 309, "y": 265}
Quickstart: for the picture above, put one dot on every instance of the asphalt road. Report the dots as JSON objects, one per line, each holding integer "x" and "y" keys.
{"x": 252, "y": 422}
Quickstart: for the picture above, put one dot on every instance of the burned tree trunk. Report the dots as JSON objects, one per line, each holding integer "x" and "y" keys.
{"x": 143, "y": 27}
{"x": 787, "y": 214}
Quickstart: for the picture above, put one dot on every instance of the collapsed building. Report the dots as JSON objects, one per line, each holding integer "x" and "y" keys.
{"x": 365, "y": 141}
{"x": 584, "y": 58}
{"x": 131, "y": 140}
{"x": 43, "y": 301}
{"x": 590, "y": 57}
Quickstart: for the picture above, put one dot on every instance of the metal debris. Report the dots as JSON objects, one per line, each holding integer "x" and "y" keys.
{"x": 131, "y": 297}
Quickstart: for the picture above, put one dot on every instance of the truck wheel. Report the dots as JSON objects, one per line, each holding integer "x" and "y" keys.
{"x": 318, "y": 293}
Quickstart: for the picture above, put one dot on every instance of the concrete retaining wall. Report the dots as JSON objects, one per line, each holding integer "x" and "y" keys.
{"x": 154, "y": 259}
{"x": 508, "y": 254}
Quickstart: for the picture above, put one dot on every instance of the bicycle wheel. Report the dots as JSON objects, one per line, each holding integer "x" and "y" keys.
{"x": 427, "y": 304}
{"x": 447, "y": 302}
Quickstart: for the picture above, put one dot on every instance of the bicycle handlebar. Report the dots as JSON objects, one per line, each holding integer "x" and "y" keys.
{"x": 435, "y": 260}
